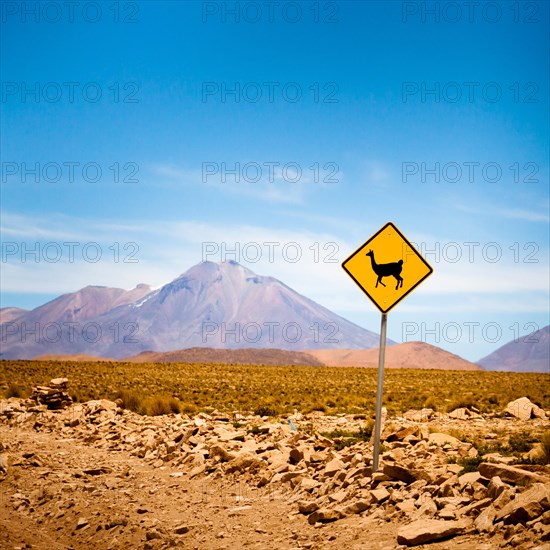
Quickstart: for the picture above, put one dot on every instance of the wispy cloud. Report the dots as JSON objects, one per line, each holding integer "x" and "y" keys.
{"x": 307, "y": 261}
{"x": 508, "y": 213}
{"x": 377, "y": 172}
{"x": 373, "y": 173}
{"x": 509, "y": 302}
{"x": 177, "y": 174}
{"x": 21, "y": 227}
{"x": 276, "y": 185}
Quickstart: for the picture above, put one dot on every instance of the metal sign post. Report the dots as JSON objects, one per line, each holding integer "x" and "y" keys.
{"x": 380, "y": 386}
{"x": 386, "y": 268}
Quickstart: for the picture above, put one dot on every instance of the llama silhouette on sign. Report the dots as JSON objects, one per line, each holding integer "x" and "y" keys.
{"x": 386, "y": 270}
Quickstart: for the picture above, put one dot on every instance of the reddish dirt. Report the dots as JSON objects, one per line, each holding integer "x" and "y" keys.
{"x": 131, "y": 502}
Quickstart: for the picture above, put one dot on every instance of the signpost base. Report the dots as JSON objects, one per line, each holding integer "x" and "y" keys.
{"x": 378, "y": 422}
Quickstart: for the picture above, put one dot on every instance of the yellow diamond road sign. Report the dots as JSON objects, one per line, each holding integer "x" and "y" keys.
{"x": 387, "y": 267}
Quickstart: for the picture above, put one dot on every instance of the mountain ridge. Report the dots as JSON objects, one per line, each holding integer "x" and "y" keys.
{"x": 217, "y": 305}
{"x": 529, "y": 353}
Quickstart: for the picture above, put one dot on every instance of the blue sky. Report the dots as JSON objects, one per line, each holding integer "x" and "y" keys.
{"x": 366, "y": 122}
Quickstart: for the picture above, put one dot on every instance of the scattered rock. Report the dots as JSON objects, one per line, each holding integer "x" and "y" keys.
{"x": 523, "y": 409}
{"x": 428, "y": 507}
{"x": 463, "y": 414}
{"x": 408, "y": 506}
{"x": 296, "y": 456}
{"x": 510, "y": 474}
{"x": 469, "y": 478}
{"x": 495, "y": 487}
{"x": 442, "y": 439}
{"x": 325, "y": 482}
{"x": 218, "y": 450}
{"x": 323, "y": 515}
{"x": 504, "y": 498}
{"x": 53, "y": 396}
{"x": 399, "y": 472}
{"x": 3, "y": 463}
{"x": 98, "y": 471}
{"x": 429, "y": 530}
{"x": 380, "y": 495}
{"x": 419, "y": 416}
{"x": 82, "y": 523}
{"x": 357, "y": 507}
{"x": 308, "y": 484}
{"x": 484, "y": 522}
{"x": 498, "y": 458}
{"x": 476, "y": 506}
{"x": 245, "y": 461}
{"x": 335, "y": 465}
{"x": 527, "y": 506}
{"x": 198, "y": 470}
{"x": 402, "y": 433}
{"x": 307, "y": 506}
{"x": 152, "y": 534}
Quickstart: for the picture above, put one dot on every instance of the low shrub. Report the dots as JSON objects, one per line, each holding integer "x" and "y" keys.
{"x": 265, "y": 410}
{"x": 159, "y": 405}
{"x": 189, "y": 408}
{"x": 545, "y": 443}
{"x": 469, "y": 464}
{"x": 14, "y": 391}
{"x": 521, "y": 442}
{"x": 130, "y": 400}
{"x": 430, "y": 403}
{"x": 464, "y": 402}
{"x": 346, "y": 438}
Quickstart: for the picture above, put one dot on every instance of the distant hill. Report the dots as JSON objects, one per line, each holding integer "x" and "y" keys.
{"x": 247, "y": 356}
{"x": 212, "y": 305}
{"x": 8, "y": 314}
{"x": 529, "y": 353}
{"x": 76, "y": 357}
{"x": 413, "y": 355}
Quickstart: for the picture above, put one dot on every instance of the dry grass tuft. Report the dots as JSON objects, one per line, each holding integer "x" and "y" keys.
{"x": 15, "y": 391}
{"x": 545, "y": 443}
{"x": 159, "y": 405}
{"x": 130, "y": 400}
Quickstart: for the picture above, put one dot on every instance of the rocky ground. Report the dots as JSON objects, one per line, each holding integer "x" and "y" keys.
{"x": 93, "y": 475}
